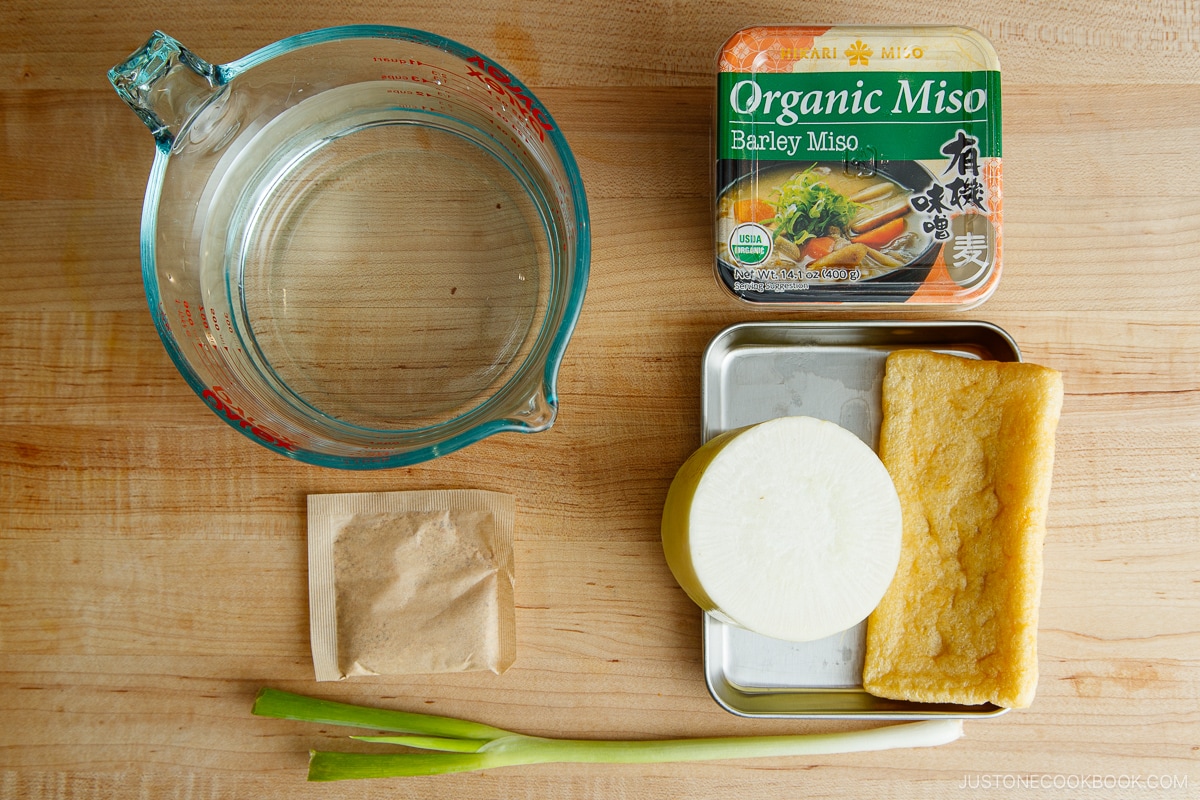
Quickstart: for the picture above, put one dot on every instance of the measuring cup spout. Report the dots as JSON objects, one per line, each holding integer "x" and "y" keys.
{"x": 165, "y": 84}
{"x": 535, "y": 413}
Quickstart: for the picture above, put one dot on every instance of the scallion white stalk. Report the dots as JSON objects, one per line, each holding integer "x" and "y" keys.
{"x": 467, "y": 746}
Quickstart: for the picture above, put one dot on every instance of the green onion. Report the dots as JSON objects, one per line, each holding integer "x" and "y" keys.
{"x": 466, "y": 746}
{"x": 807, "y": 207}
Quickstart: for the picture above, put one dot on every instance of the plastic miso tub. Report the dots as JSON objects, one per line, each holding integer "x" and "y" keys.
{"x": 858, "y": 167}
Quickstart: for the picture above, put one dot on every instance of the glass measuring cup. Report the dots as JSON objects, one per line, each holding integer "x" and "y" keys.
{"x": 362, "y": 246}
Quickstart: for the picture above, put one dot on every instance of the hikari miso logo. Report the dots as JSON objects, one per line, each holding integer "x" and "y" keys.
{"x": 859, "y": 53}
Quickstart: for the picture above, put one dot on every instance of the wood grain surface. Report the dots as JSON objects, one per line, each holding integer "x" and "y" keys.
{"x": 152, "y": 560}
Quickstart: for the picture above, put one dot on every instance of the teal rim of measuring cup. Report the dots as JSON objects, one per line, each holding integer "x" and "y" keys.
{"x": 556, "y": 350}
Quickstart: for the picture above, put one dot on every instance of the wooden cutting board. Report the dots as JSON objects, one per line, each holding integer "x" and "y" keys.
{"x": 152, "y": 560}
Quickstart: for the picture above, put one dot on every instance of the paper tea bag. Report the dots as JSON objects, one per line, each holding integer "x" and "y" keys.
{"x": 410, "y": 582}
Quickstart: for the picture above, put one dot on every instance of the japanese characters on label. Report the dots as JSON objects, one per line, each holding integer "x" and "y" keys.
{"x": 959, "y": 188}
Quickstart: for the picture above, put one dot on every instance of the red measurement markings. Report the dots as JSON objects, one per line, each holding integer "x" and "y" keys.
{"x": 413, "y": 78}
{"x": 412, "y": 62}
{"x": 222, "y": 403}
{"x": 434, "y": 75}
{"x": 499, "y": 82}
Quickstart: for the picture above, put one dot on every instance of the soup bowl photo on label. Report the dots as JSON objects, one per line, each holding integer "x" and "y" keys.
{"x": 844, "y": 235}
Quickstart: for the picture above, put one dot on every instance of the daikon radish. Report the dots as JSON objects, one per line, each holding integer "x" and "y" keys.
{"x": 789, "y": 528}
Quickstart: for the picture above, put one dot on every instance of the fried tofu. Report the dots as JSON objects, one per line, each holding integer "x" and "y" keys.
{"x": 970, "y": 447}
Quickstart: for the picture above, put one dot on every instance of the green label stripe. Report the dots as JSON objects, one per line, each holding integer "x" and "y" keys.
{"x": 835, "y": 115}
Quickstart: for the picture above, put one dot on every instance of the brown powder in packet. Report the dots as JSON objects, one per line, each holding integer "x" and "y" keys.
{"x": 410, "y": 582}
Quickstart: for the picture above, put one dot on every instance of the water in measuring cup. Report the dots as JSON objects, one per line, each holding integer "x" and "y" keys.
{"x": 389, "y": 270}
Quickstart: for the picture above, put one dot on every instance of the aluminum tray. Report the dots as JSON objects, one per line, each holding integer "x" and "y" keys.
{"x": 831, "y": 370}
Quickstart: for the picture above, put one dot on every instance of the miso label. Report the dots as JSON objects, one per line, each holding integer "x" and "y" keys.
{"x": 871, "y": 116}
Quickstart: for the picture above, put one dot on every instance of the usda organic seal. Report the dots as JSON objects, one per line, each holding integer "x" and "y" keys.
{"x": 750, "y": 244}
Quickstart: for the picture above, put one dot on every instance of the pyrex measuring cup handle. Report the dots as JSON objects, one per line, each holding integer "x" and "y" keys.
{"x": 165, "y": 84}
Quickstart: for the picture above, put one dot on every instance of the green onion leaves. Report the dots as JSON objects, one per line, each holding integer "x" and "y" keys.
{"x": 806, "y": 207}
{"x": 462, "y": 746}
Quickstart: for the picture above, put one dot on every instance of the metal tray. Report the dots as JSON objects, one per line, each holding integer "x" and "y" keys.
{"x": 753, "y": 372}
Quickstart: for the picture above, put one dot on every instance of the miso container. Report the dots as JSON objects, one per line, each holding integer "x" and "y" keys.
{"x": 858, "y": 167}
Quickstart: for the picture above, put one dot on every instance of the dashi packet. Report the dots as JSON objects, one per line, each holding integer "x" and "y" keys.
{"x": 410, "y": 582}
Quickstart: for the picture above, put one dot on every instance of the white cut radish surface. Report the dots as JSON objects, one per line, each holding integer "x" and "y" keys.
{"x": 790, "y": 528}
